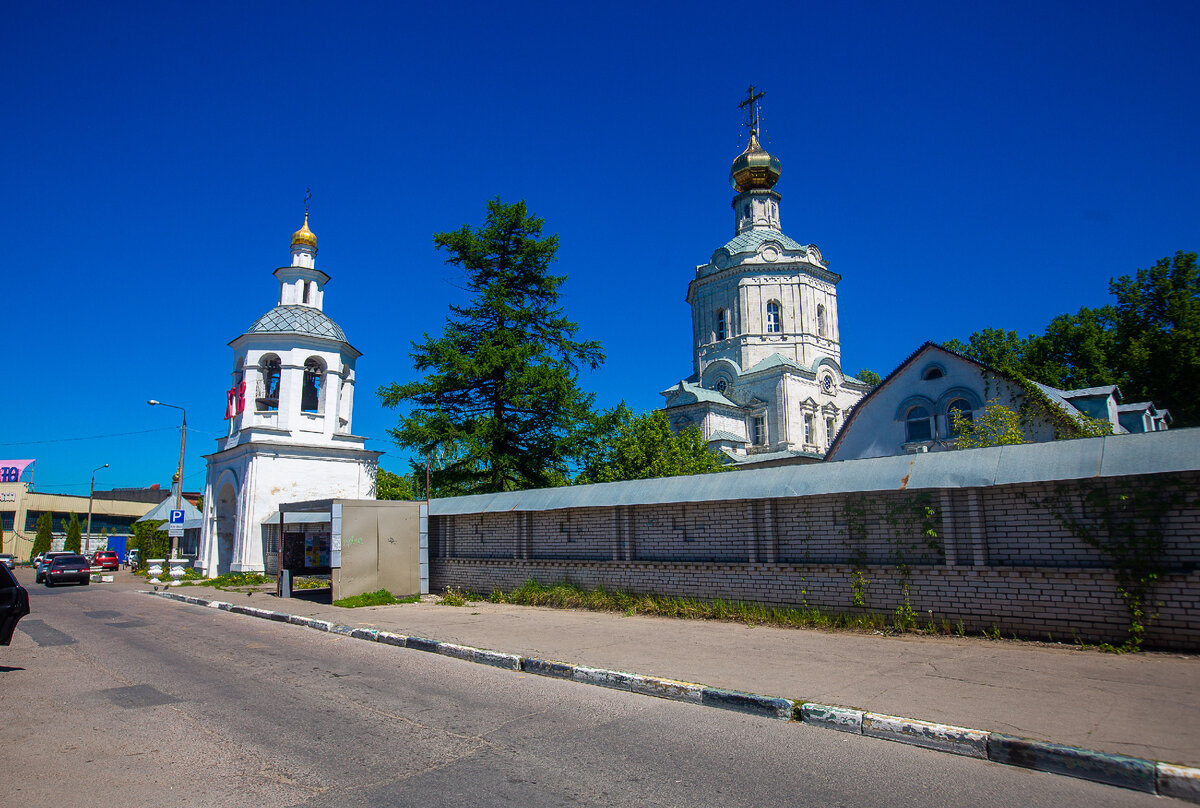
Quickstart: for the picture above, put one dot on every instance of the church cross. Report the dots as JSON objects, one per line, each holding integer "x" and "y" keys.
{"x": 307, "y": 196}
{"x": 751, "y": 108}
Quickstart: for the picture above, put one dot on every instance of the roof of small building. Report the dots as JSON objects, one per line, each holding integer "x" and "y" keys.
{"x": 721, "y": 434}
{"x": 1085, "y": 392}
{"x": 293, "y": 319}
{"x": 697, "y": 394}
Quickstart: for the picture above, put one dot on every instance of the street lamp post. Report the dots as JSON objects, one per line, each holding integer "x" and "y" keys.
{"x": 182, "y": 443}
{"x": 91, "y": 494}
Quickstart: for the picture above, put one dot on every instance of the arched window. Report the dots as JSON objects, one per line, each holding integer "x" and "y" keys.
{"x": 916, "y": 425}
{"x": 268, "y": 385}
{"x": 774, "y": 321}
{"x": 963, "y": 408}
{"x": 820, "y": 319}
{"x": 310, "y": 394}
{"x": 933, "y": 372}
{"x": 722, "y": 328}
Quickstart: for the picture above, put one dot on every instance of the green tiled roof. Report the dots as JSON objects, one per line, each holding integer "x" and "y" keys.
{"x": 297, "y": 320}
{"x": 751, "y": 240}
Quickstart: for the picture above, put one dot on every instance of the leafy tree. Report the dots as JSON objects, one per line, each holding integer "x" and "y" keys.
{"x": 997, "y": 425}
{"x": 44, "y": 539}
{"x": 74, "y": 542}
{"x": 1148, "y": 343}
{"x": 1158, "y": 335}
{"x": 501, "y": 401}
{"x": 1002, "y": 350}
{"x": 870, "y": 377}
{"x": 643, "y": 447}
{"x": 1076, "y": 351}
{"x": 392, "y": 486}
{"x": 149, "y": 541}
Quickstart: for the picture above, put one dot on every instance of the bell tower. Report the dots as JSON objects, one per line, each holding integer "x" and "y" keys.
{"x": 290, "y": 411}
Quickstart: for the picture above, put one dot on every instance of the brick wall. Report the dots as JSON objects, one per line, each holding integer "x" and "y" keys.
{"x": 994, "y": 556}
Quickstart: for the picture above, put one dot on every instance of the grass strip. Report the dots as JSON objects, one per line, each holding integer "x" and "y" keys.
{"x": 380, "y": 597}
{"x": 600, "y": 599}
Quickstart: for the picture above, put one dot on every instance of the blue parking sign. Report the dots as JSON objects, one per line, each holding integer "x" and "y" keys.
{"x": 176, "y": 517}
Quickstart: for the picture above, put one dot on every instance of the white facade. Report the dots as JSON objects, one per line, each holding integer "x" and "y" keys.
{"x": 767, "y": 384}
{"x": 290, "y": 410}
{"x": 912, "y": 410}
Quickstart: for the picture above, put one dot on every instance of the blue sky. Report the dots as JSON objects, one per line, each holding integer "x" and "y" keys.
{"x": 960, "y": 166}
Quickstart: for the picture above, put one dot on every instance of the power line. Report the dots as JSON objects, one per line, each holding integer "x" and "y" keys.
{"x": 92, "y": 437}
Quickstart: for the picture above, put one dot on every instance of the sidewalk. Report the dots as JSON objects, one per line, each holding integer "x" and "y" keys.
{"x": 1143, "y": 705}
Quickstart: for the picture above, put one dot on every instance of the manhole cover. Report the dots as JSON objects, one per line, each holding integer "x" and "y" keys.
{"x": 137, "y": 696}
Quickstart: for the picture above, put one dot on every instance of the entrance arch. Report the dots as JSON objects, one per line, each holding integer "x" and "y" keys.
{"x": 227, "y": 523}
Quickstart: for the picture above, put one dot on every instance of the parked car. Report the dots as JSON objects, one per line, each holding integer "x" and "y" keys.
{"x": 39, "y": 574}
{"x": 133, "y": 558}
{"x": 106, "y": 560}
{"x": 69, "y": 567}
{"x": 8, "y": 560}
{"x": 14, "y": 604}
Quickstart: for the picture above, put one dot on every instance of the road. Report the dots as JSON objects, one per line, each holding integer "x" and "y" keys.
{"x": 112, "y": 698}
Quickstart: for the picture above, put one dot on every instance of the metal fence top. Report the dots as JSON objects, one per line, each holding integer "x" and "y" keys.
{"x": 1113, "y": 456}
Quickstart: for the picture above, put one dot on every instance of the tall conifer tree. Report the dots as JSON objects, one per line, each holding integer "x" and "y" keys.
{"x": 501, "y": 404}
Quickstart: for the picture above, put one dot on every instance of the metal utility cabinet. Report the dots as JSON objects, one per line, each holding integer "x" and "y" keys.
{"x": 371, "y": 545}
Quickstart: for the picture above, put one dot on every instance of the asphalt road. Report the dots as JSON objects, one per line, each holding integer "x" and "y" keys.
{"x": 111, "y": 698}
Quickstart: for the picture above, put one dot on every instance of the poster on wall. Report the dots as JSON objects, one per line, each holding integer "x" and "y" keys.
{"x": 316, "y": 551}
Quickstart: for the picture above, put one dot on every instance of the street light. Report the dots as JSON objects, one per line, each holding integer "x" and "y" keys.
{"x": 91, "y": 494}
{"x": 182, "y": 443}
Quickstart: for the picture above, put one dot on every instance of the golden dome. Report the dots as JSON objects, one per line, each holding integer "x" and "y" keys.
{"x": 754, "y": 168}
{"x": 304, "y": 235}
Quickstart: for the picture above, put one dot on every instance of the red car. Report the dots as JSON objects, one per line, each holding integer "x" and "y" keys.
{"x": 106, "y": 560}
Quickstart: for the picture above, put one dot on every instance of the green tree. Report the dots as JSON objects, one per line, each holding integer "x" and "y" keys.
{"x": 869, "y": 376}
{"x": 997, "y": 425}
{"x": 74, "y": 541}
{"x": 149, "y": 541}
{"x": 995, "y": 347}
{"x": 501, "y": 400}
{"x": 389, "y": 485}
{"x": 1158, "y": 335}
{"x": 44, "y": 539}
{"x": 1076, "y": 351}
{"x": 643, "y": 447}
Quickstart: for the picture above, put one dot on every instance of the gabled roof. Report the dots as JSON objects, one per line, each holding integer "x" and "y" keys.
{"x": 686, "y": 393}
{"x": 775, "y": 361}
{"x": 1087, "y": 392}
{"x": 163, "y": 511}
{"x": 721, "y": 434}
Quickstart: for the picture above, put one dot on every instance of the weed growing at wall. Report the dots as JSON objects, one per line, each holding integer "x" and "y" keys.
{"x": 1127, "y": 528}
{"x": 909, "y": 526}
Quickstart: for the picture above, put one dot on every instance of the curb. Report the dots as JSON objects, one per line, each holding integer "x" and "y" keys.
{"x": 1137, "y": 774}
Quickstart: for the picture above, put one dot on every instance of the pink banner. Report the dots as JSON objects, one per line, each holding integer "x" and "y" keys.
{"x": 16, "y": 471}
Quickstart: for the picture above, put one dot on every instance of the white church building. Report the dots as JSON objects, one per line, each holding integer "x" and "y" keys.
{"x": 290, "y": 412}
{"x": 767, "y": 385}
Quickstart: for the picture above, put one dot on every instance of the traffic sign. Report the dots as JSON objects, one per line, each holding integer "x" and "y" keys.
{"x": 176, "y": 517}
{"x": 175, "y": 531}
